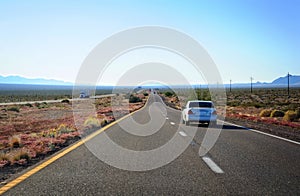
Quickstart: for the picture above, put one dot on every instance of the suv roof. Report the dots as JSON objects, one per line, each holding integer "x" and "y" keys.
{"x": 200, "y": 101}
{"x": 200, "y": 104}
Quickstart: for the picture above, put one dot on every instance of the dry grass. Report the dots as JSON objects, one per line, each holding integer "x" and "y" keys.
{"x": 20, "y": 154}
{"x": 4, "y": 157}
{"x": 277, "y": 113}
{"x": 92, "y": 122}
{"x": 65, "y": 129}
{"x": 265, "y": 113}
{"x": 15, "y": 141}
{"x": 290, "y": 116}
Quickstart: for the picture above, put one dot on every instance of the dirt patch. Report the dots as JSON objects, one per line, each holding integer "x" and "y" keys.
{"x": 9, "y": 170}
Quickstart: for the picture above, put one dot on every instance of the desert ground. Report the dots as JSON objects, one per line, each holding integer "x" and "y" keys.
{"x": 31, "y": 132}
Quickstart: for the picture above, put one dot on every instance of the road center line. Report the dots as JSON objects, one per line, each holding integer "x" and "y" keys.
{"x": 182, "y": 133}
{"x": 212, "y": 165}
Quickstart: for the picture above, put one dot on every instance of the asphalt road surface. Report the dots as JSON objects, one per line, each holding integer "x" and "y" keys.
{"x": 241, "y": 162}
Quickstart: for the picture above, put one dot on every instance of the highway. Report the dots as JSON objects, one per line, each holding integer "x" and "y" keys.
{"x": 241, "y": 162}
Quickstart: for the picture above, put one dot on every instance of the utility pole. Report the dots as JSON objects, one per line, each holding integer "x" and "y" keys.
{"x": 230, "y": 86}
{"x": 251, "y": 78}
{"x": 199, "y": 95}
{"x": 288, "y": 76}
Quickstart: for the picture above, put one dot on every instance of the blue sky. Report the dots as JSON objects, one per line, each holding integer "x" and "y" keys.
{"x": 50, "y": 39}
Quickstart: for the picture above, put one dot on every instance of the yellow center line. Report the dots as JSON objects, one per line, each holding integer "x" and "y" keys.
{"x": 41, "y": 166}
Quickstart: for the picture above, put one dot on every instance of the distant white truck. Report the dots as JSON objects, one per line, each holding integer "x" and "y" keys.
{"x": 84, "y": 95}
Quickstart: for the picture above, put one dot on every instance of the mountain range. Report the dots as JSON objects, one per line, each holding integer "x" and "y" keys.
{"x": 279, "y": 82}
{"x": 23, "y": 80}
{"x": 294, "y": 81}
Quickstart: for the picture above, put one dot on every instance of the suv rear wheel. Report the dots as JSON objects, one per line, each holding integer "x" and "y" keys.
{"x": 187, "y": 123}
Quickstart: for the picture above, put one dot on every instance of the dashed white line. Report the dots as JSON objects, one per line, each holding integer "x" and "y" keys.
{"x": 212, "y": 165}
{"x": 182, "y": 133}
{"x": 172, "y": 123}
{"x": 167, "y": 118}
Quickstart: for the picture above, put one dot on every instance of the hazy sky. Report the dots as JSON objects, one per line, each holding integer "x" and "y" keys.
{"x": 50, "y": 39}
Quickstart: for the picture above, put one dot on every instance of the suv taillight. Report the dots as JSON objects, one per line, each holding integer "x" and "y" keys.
{"x": 190, "y": 112}
{"x": 214, "y": 112}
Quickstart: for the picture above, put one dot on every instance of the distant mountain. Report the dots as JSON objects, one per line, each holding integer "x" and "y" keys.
{"x": 22, "y": 80}
{"x": 280, "y": 82}
{"x": 294, "y": 80}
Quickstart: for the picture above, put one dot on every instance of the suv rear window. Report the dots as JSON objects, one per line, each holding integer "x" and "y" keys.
{"x": 200, "y": 105}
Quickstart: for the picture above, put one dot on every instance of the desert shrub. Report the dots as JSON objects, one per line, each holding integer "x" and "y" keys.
{"x": 252, "y": 104}
{"x": 298, "y": 112}
{"x": 146, "y": 94}
{"x": 40, "y": 148}
{"x": 29, "y": 105}
{"x": 265, "y": 113}
{"x": 293, "y": 106}
{"x": 15, "y": 141}
{"x": 103, "y": 123}
{"x": 258, "y": 105}
{"x": 53, "y": 133}
{"x": 134, "y": 99}
{"x": 51, "y": 146}
{"x": 65, "y": 101}
{"x": 233, "y": 103}
{"x": 42, "y": 106}
{"x": 277, "y": 113}
{"x": 20, "y": 154}
{"x": 168, "y": 94}
{"x": 290, "y": 116}
{"x": 24, "y": 155}
{"x": 64, "y": 129}
{"x": 4, "y": 157}
{"x": 14, "y": 109}
{"x": 92, "y": 122}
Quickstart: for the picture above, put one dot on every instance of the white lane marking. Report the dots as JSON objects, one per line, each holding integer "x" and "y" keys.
{"x": 274, "y": 136}
{"x": 212, "y": 165}
{"x": 172, "y": 123}
{"x": 182, "y": 133}
{"x": 167, "y": 118}
{"x": 166, "y": 105}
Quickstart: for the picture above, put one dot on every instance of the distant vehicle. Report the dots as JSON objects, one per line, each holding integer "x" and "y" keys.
{"x": 84, "y": 95}
{"x": 199, "y": 112}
